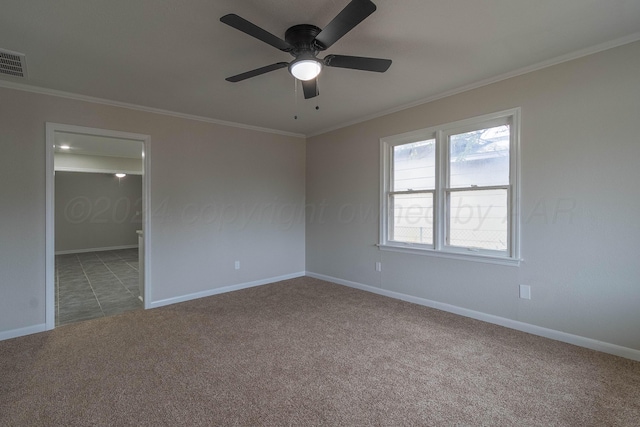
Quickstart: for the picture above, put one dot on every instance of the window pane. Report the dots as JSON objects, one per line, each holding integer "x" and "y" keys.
{"x": 479, "y": 158}
{"x": 414, "y": 166}
{"x": 412, "y": 218}
{"x": 478, "y": 219}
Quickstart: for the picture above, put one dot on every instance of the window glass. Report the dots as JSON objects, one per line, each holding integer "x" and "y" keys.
{"x": 412, "y": 216}
{"x": 478, "y": 219}
{"x": 414, "y": 166}
{"x": 479, "y": 158}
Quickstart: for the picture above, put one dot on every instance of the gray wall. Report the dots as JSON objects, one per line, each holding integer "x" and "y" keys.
{"x": 580, "y": 144}
{"x": 96, "y": 210}
{"x": 199, "y": 171}
{"x": 221, "y": 194}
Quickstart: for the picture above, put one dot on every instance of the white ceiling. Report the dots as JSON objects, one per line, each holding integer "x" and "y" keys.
{"x": 175, "y": 54}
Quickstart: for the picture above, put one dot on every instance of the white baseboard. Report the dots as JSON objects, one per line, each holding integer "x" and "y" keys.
{"x": 553, "y": 334}
{"x": 155, "y": 304}
{"x": 216, "y": 291}
{"x": 580, "y": 341}
{"x": 82, "y": 251}
{"x": 15, "y": 333}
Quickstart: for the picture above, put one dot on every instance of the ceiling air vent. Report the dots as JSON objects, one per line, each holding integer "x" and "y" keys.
{"x": 13, "y": 63}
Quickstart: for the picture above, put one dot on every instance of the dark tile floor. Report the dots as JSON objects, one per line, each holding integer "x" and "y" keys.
{"x": 96, "y": 284}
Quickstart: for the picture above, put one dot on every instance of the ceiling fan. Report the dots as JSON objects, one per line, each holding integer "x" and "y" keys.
{"x": 305, "y": 41}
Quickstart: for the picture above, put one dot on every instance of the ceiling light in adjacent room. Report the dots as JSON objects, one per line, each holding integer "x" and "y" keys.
{"x": 305, "y": 69}
{"x": 65, "y": 147}
{"x": 121, "y": 175}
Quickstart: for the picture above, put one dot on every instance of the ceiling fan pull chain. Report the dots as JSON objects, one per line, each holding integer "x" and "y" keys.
{"x": 295, "y": 96}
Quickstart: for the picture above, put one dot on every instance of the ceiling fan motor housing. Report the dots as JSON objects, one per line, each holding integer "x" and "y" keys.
{"x": 302, "y": 38}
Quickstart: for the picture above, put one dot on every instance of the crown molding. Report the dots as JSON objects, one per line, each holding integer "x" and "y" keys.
{"x": 528, "y": 69}
{"x": 77, "y": 97}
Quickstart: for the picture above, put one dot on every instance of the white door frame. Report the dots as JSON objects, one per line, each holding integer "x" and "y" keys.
{"x": 51, "y": 129}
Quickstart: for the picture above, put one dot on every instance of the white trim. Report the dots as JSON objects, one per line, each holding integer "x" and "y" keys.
{"x": 516, "y": 179}
{"x": 385, "y": 154}
{"x": 631, "y": 38}
{"x": 82, "y": 251}
{"x": 439, "y": 202}
{"x": 20, "y": 332}
{"x": 225, "y": 289}
{"x": 49, "y": 259}
{"x": 95, "y": 170}
{"x": 103, "y": 101}
{"x": 146, "y": 223}
{"x": 61, "y": 127}
{"x": 50, "y": 129}
{"x": 475, "y": 257}
{"x": 553, "y": 334}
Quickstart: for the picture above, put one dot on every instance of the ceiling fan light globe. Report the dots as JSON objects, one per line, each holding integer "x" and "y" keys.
{"x": 305, "y": 69}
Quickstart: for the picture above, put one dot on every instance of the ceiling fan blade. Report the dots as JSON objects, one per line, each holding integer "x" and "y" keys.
{"x": 353, "y": 14}
{"x": 358, "y": 63}
{"x": 310, "y": 88}
{"x": 253, "y": 30}
{"x": 257, "y": 72}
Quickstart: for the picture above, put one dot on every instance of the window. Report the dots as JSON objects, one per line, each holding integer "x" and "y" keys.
{"x": 452, "y": 190}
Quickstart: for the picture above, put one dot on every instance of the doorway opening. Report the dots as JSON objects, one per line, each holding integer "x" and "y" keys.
{"x": 96, "y": 236}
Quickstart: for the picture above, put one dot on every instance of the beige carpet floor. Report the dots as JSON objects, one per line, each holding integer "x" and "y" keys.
{"x": 305, "y": 352}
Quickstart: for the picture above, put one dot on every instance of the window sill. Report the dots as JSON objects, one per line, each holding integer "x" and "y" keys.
{"x": 483, "y": 258}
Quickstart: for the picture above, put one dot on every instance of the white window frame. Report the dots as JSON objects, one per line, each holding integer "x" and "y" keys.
{"x": 441, "y": 135}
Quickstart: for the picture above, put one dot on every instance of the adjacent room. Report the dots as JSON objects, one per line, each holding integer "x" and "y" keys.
{"x": 319, "y": 213}
{"x": 98, "y": 226}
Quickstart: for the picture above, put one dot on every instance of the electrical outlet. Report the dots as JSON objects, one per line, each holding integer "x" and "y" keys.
{"x": 378, "y": 266}
{"x": 525, "y": 291}
{"x": 237, "y": 265}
